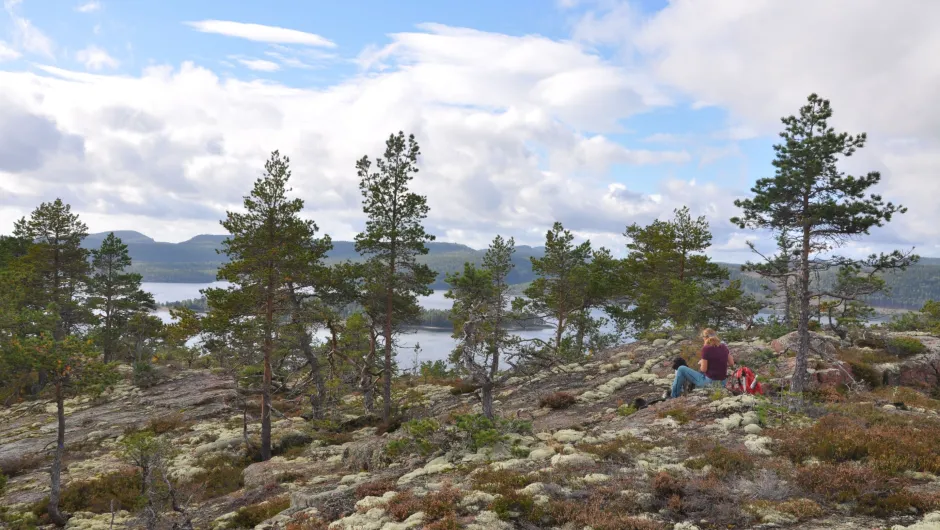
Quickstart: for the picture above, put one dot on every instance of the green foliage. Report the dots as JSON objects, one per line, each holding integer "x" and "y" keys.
{"x": 904, "y": 346}
{"x": 810, "y": 200}
{"x": 417, "y": 440}
{"x": 672, "y": 281}
{"x": 251, "y": 516}
{"x": 481, "y": 314}
{"x": 484, "y": 432}
{"x": 96, "y": 495}
{"x": 626, "y": 410}
{"x": 865, "y": 372}
{"x": 145, "y": 374}
{"x": 3, "y": 483}
{"x": 222, "y": 475}
{"x": 115, "y": 294}
{"x": 571, "y": 281}
{"x": 435, "y": 370}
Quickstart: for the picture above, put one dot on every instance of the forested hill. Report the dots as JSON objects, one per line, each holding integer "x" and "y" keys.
{"x": 196, "y": 260}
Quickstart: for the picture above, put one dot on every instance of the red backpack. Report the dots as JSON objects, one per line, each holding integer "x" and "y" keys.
{"x": 744, "y": 381}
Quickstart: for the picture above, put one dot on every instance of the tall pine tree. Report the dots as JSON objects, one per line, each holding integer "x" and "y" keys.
{"x": 810, "y": 200}
{"x": 115, "y": 293}
{"x": 394, "y": 237}
{"x": 268, "y": 248}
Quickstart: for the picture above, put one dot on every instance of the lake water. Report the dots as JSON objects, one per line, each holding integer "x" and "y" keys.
{"x": 435, "y": 344}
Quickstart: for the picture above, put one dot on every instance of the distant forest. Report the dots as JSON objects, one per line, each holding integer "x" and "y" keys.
{"x": 196, "y": 261}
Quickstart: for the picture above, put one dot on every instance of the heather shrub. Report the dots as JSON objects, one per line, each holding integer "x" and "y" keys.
{"x": 890, "y": 446}
{"x": 96, "y": 496}
{"x": 251, "y": 516}
{"x": 557, "y": 401}
{"x": 375, "y": 488}
{"x": 904, "y": 346}
{"x": 723, "y": 461}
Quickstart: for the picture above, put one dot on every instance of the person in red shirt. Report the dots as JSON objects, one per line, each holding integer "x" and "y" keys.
{"x": 714, "y": 363}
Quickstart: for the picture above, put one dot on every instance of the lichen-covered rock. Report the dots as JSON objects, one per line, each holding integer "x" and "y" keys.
{"x": 488, "y": 521}
{"x": 758, "y": 444}
{"x": 102, "y": 521}
{"x": 367, "y": 503}
{"x": 931, "y": 521}
{"x": 822, "y": 345}
{"x": 568, "y": 436}
{"x": 438, "y": 465}
{"x": 577, "y": 459}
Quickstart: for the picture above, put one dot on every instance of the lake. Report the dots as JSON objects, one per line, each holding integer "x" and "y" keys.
{"x": 435, "y": 344}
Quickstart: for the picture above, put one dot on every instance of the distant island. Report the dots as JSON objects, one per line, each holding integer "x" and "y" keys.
{"x": 196, "y": 261}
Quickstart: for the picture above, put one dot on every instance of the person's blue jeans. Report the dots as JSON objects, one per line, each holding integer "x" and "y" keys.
{"x": 683, "y": 374}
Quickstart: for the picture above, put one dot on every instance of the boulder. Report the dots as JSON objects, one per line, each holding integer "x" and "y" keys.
{"x": 824, "y": 346}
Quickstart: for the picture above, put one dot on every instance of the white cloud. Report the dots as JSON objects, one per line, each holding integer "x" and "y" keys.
{"x": 760, "y": 59}
{"x": 261, "y": 33}
{"x": 171, "y": 150}
{"x": 26, "y": 36}
{"x": 95, "y": 58}
{"x": 259, "y": 65}
{"x": 89, "y": 7}
{"x": 7, "y": 53}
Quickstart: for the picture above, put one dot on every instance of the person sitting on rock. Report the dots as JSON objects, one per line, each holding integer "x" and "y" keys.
{"x": 716, "y": 358}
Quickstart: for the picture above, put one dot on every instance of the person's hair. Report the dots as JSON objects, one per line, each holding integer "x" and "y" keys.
{"x": 713, "y": 341}
{"x": 709, "y": 332}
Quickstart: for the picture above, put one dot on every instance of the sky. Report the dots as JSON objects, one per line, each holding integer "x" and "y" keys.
{"x": 158, "y": 116}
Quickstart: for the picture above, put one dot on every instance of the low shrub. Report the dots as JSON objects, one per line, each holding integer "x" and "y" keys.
{"x": 603, "y": 509}
{"x": 864, "y": 372}
{"x": 167, "y": 423}
{"x": 3, "y": 483}
{"x": 436, "y": 505}
{"x": 418, "y": 438}
{"x": 483, "y": 432}
{"x": 499, "y": 481}
{"x": 223, "y": 475}
{"x": 904, "y": 346}
{"x": 557, "y": 401}
{"x": 664, "y": 485}
{"x": 447, "y": 523}
{"x": 146, "y": 375}
{"x": 96, "y": 495}
{"x": 251, "y": 516}
{"x": 801, "y": 509}
{"x": 291, "y": 441}
{"x": 682, "y": 415}
{"x": 375, "y": 488}
{"x": 619, "y": 450}
{"x": 20, "y": 465}
{"x": 890, "y": 445}
{"x": 724, "y": 462}
{"x": 626, "y": 410}
{"x": 463, "y": 387}
{"x": 874, "y": 492}
{"x": 306, "y": 521}
{"x": 515, "y": 504}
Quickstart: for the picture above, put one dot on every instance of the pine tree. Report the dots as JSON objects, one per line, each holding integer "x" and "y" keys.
{"x": 561, "y": 291}
{"x": 671, "y": 279}
{"x": 394, "y": 237}
{"x": 268, "y": 247}
{"x": 115, "y": 293}
{"x": 810, "y": 200}
{"x": 60, "y": 263}
{"x": 58, "y": 277}
{"x": 481, "y": 310}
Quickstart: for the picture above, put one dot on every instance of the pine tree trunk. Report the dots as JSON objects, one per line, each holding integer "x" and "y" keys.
{"x": 266, "y": 383}
{"x": 56, "y": 472}
{"x": 798, "y": 380}
{"x": 387, "y": 387}
{"x": 486, "y": 397}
